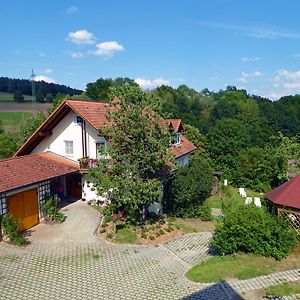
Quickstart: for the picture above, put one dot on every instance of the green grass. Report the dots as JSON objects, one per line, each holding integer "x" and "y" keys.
{"x": 9, "y": 97}
{"x": 229, "y": 195}
{"x": 241, "y": 266}
{"x": 13, "y": 120}
{"x": 227, "y": 267}
{"x": 187, "y": 228}
{"x": 125, "y": 235}
{"x": 283, "y": 289}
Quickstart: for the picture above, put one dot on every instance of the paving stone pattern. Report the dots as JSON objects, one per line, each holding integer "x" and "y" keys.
{"x": 99, "y": 270}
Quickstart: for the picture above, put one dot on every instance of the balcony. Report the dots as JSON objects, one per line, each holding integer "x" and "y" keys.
{"x": 86, "y": 163}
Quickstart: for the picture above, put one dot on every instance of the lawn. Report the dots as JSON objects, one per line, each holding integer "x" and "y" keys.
{"x": 12, "y": 120}
{"x": 240, "y": 266}
{"x": 9, "y": 97}
{"x": 284, "y": 289}
{"x": 229, "y": 195}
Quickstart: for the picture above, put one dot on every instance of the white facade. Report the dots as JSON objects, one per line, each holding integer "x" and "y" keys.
{"x": 183, "y": 160}
{"x": 68, "y": 130}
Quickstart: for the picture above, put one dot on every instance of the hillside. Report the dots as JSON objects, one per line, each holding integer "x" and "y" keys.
{"x": 10, "y": 85}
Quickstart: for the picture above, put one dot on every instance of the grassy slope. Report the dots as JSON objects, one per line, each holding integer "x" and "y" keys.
{"x": 229, "y": 194}
{"x": 8, "y": 97}
{"x": 11, "y": 121}
{"x": 240, "y": 266}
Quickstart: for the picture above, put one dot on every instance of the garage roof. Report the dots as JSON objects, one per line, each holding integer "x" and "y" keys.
{"x": 30, "y": 169}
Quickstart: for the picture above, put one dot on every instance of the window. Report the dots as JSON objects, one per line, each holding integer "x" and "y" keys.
{"x": 100, "y": 149}
{"x": 69, "y": 147}
{"x": 176, "y": 139}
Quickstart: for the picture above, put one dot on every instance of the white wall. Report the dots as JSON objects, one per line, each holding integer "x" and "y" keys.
{"x": 69, "y": 130}
{"x": 183, "y": 160}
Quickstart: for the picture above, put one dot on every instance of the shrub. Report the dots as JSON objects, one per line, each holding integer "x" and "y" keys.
{"x": 188, "y": 189}
{"x": 51, "y": 210}
{"x": 109, "y": 235}
{"x": 11, "y": 229}
{"x": 251, "y": 229}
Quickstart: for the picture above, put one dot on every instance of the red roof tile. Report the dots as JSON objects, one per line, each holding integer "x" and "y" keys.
{"x": 183, "y": 148}
{"x": 93, "y": 112}
{"x": 176, "y": 124}
{"x": 21, "y": 171}
{"x": 287, "y": 194}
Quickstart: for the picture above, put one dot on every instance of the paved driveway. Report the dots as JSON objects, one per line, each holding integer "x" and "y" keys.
{"x": 67, "y": 261}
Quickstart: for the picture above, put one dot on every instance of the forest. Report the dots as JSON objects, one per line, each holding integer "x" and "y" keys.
{"x": 252, "y": 141}
{"x": 24, "y": 87}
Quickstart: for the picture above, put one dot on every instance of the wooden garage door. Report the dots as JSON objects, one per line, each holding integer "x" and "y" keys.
{"x": 24, "y": 206}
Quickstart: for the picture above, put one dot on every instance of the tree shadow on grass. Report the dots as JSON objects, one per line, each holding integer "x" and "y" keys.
{"x": 218, "y": 291}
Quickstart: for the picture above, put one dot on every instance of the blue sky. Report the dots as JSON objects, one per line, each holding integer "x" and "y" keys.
{"x": 214, "y": 43}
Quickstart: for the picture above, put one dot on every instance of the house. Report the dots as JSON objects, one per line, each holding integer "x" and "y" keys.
{"x": 286, "y": 200}
{"x": 69, "y": 138}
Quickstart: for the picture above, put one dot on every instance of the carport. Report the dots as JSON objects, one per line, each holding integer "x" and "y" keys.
{"x": 26, "y": 182}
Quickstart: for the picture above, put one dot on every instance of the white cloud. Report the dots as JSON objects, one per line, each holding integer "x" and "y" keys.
{"x": 150, "y": 84}
{"x": 72, "y": 10}
{"x": 245, "y": 76}
{"x": 253, "y": 31}
{"x": 258, "y": 74}
{"x": 289, "y": 75}
{"x": 250, "y": 59}
{"x": 108, "y": 48}
{"x": 75, "y": 54}
{"x": 44, "y": 78}
{"x": 81, "y": 37}
{"x": 48, "y": 70}
{"x": 42, "y": 54}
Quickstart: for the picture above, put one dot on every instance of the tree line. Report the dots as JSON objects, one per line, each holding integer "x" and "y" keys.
{"x": 45, "y": 92}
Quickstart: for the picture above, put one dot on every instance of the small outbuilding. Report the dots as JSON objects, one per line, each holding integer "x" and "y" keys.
{"x": 26, "y": 182}
{"x": 286, "y": 199}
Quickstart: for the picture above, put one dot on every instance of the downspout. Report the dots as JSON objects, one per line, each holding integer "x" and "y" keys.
{"x": 82, "y": 140}
{"x": 85, "y": 144}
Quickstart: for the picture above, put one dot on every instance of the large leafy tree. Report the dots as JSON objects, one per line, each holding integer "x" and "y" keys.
{"x": 138, "y": 155}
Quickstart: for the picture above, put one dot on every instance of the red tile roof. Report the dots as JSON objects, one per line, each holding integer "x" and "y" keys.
{"x": 21, "y": 171}
{"x": 176, "y": 124}
{"x": 287, "y": 194}
{"x": 183, "y": 148}
{"x": 94, "y": 113}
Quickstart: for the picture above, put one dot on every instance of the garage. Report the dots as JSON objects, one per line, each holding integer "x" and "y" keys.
{"x": 24, "y": 206}
{"x": 27, "y": 181}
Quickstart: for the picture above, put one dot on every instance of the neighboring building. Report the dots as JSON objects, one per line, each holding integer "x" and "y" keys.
{"x": 68, "y": 136}
{"x": 26, "y": 181}
{"x": 286, "y": 199}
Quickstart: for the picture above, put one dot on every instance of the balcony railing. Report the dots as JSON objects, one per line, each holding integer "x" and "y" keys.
{"x": 85, "y": 163}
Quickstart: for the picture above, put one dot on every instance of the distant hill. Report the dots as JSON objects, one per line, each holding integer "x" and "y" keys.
{"x": 10, "y": 85}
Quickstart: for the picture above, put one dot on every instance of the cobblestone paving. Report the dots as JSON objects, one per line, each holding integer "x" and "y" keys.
{"x": 191, "y": 248}
{"x": 102, "y": 271}
{"x": 98, "y": 270}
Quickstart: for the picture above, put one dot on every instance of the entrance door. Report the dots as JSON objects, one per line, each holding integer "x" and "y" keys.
{"x": 74, "y": 188}
{"x": 24, "y": 206}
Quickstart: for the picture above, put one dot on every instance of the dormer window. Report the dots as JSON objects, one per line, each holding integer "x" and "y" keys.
{"x": 176, "y": 140}
{"x": 100, "y": 149}
{"x": 78, "y": 120}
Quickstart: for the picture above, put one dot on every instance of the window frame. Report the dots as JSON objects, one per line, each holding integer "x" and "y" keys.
{"x": 68, "y": 147}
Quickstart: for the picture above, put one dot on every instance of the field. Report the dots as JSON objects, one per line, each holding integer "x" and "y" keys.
{"x": 11, "y": 121}
{"x": 9, "y": 97}
{"x": 13, "y": 114}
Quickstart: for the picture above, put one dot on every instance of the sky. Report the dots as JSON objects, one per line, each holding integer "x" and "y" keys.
{"x": 211, "y": 44}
